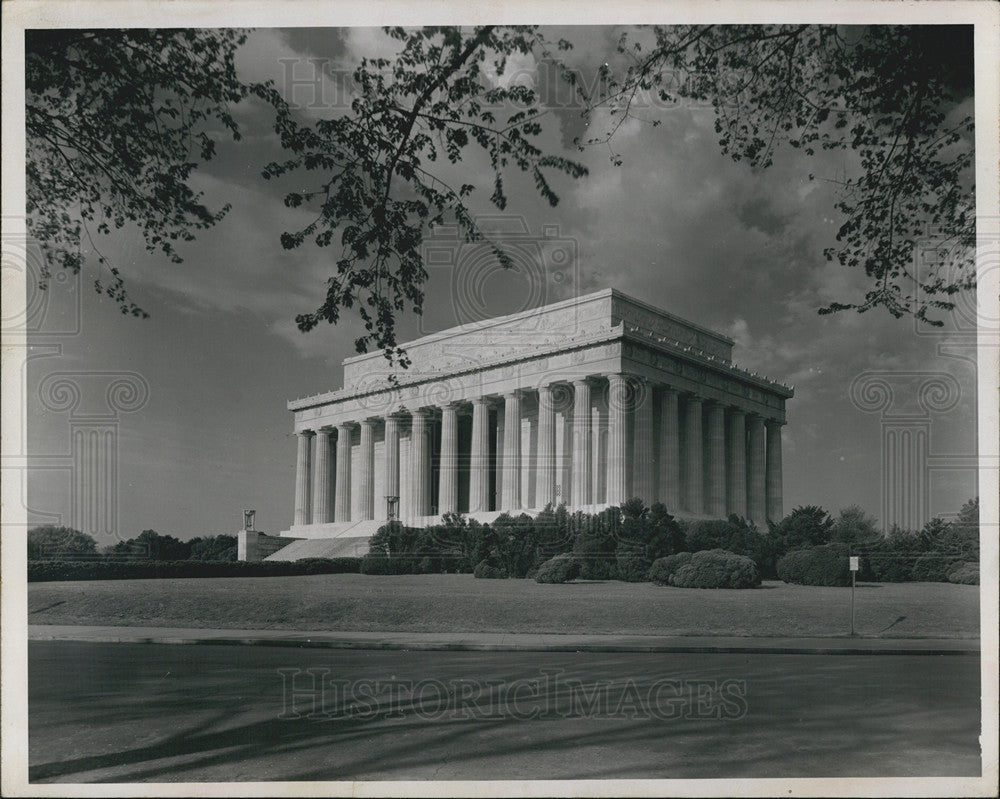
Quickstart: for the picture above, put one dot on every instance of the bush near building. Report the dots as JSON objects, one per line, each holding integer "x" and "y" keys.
{"x": 489, "y": 570}
{"x": 965, "y": 574}
{"x": 662, "y": 570}
{"x": 560, "y": 569}
{"x": 828, "y": 564}
{"x": 717, "y": 568}
{"x": 933, "y": 568}
{"x": 624, "y": 542}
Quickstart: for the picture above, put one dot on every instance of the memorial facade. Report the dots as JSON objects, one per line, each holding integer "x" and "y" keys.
{"x": 588, "y": 401}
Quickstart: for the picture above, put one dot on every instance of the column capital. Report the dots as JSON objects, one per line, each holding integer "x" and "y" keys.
{"x": 773, "y": 422}
{"x": 670, "y": 390}
{"x": 305, "y": 433}
{"x": 692, "y": 397}
{"x": 514, "y": 393}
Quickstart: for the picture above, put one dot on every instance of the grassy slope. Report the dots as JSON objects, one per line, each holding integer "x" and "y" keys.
{"x": 460, "y": 603}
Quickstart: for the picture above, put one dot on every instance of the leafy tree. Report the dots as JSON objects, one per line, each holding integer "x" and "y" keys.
{"x": 854, "y": 526}
{"x": 116, "y": 122}
{"x": 966, "y": 528}
{"x": 213, "y": 547}
{"x": 150, "y": 545}
{"x": 666, "y": 536}
{"x": 808, "y": 525}
{"x": 890, "y": 95}
{"x": 51, "y": 541}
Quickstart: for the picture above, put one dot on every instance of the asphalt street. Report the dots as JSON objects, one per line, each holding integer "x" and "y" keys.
{"x": 113, "y": 712}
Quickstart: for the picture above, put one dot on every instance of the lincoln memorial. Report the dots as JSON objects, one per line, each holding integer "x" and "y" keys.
{"x": 586, "y": 402}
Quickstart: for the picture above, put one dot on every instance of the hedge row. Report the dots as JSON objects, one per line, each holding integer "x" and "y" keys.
{"x": 50, "y": 570}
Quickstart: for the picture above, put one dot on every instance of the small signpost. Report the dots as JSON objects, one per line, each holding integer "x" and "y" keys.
{"x": 854, "y": 574}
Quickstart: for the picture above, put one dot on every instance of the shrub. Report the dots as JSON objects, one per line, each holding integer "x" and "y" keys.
{"x": 763, "y": 549}
{"x": 560, "y": 569}
{"x": 631, "y": 567}
{"x": 662, "y": 570}
{"x": 376, "y": 563}
{"x": 49, "y": 541}
{"x": 47, "y": 571}
{"x": 666, "y": 536}
{"x": 965, "y": 574}
{"x": 717, "y": 568}
{"x": 489, "y": 570}
{"x": 828, "y": 564}
{"x": 711, "y": 534}
{"x": 805, "y": 526}
{"x": 595, "y": 541}
{"x": 933, "y": 568}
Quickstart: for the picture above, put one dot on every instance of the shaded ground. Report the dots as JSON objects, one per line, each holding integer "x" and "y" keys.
{"x": 461, "y": 603}
{"x": 121, "y": 712}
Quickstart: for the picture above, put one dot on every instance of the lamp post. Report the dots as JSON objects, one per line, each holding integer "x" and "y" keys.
{"x": 391, "y": 508}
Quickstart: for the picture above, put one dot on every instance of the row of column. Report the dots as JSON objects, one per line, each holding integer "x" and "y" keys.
{"x": 713, "y": 459}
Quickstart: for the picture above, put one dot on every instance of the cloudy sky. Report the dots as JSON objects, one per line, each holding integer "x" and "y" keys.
{"x": 676, "y": 224}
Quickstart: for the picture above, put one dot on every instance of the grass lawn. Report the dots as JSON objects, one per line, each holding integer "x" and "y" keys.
{"x": 461, "y": 603}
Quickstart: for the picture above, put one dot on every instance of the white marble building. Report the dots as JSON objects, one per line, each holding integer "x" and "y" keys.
{"x": 587, "y": 401}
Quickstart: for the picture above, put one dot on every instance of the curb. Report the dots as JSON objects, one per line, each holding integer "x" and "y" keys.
{"x": 959, "y": 647}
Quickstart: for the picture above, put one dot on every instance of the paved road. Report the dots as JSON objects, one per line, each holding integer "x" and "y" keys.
{"x": 103, "y": 712}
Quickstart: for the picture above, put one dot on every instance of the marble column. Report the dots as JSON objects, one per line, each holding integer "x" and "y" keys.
{"x": 498, "y": 463}
{"x": 643, "y": 463}
{"x": 321, "y": 479}
{"x": 420, "y": 464}
{"x": 693, "y": 470}
{"x": 736, "y": 463}
{"x": 617, "y": 400}
{"x": 391, "y": 461}
{"x": 715, "y": 500}
{"x": 366, "y": 476}
{"x": 448, "y": 482}
{"x": 545, "y": 472}
{"x": 756, "y": 492}
{"x": 773, "y": 471}
{"x": 670, "y": 465}
{"x": 580, "y": 492}
{"x": 479, "y": 457}
{"x": 342, "y": 507}
{"x": 512, "y": 451}
{"x": 302, "y": 478}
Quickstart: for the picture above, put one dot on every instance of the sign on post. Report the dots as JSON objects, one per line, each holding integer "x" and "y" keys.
{"x": 854, "y": 563}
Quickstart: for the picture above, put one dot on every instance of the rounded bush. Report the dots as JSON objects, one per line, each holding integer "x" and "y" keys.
{"x": 560, "y": 569}
{"x": 488, "y": 570}
{"x": 933, "y": 568}
{"x": 632, "y": 568}
{"x": 717, "y": 568}
{"x": 965, "y": 574}
{"x": 662, "y": 570}
{"x": 828, "y": 564}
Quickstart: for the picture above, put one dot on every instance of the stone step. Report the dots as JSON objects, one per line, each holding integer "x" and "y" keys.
{"x": 322, "y": 548}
